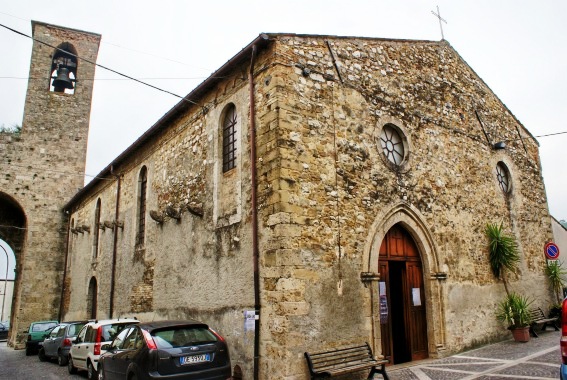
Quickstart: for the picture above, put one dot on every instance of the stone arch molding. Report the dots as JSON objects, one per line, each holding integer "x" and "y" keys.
{"x": 434, "y": 273}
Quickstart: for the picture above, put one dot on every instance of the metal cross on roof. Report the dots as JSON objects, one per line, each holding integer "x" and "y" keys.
{"x": 438, "y": 15}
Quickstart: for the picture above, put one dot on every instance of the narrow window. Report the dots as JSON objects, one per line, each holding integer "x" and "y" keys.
{"x": 92, "y": 299}
{"x": 229, "y": 139}
{"x": 142, "y": 187}
{"x": 96, "y": 228}
{"x": 503, "y": 177}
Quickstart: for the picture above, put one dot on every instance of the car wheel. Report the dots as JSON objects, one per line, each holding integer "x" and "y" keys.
{"x": 91, "y": 372}
{"x": 100, "y": 372}
{"x": 70, "y": 366}
{"x": 61, "y": 360}
{"x": 41, "y": 355}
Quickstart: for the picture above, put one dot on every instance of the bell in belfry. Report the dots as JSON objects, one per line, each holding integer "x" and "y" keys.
{"x": 62, "y": 81}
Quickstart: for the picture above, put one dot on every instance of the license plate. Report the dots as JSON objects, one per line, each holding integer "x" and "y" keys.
{"x": 194, "y": 359}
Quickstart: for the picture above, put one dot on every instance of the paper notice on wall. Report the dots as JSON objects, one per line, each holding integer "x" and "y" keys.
{"x": 416, "y": 296}
{"x": 382, "y": 286}
{"x": 249, "y": 320}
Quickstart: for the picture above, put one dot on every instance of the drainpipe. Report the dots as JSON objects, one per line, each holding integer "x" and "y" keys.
{"x": 60, "y": 316}
{"x": 254, "y": 217}
{"x": 115, "y": 242}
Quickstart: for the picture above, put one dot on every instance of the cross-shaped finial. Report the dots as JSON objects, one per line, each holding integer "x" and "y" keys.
{"x": 438, "y": 15}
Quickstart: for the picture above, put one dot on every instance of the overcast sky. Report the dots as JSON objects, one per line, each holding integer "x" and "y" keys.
{"x": 518, "y": 47}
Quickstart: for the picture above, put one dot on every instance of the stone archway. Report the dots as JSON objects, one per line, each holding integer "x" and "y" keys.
{"x": 13, "y": 225}
{"x": 411, "y": 220}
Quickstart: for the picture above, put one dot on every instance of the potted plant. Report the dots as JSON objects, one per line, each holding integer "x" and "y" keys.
{"x": 514, "y": 310}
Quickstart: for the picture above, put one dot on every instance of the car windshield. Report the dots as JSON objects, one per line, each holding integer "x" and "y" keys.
{"x": 183, "y": 336}
{"x": 37, "y": 327}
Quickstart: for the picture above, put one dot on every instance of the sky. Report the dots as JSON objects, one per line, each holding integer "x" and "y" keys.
{"x": 518, "y": 47}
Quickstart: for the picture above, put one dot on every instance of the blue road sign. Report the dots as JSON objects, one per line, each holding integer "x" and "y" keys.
{"x": 551, "y": 251}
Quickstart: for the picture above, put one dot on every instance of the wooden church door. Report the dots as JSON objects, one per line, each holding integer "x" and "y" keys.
{"x": 403, "y": 322}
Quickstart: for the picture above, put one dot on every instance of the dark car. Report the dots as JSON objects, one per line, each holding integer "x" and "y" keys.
{"x": 180, "y": 350}
{"x": 563, "y": 341}
{"x": 57, "y": 344}
{"x": 36, "y": 333}
{"x": 4, "y": 328}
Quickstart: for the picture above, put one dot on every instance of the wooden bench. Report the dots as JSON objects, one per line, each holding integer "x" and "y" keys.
{"x": 538, "y": 317}
{"x": 345, "y": 360}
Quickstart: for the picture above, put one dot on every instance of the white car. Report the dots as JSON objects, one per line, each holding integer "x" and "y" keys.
{"x": 86, "y": 349}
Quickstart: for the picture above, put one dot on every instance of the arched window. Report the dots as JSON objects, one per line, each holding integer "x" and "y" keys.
{"x": 142, "y": 188}
{"x": 503, "y": 177}
{"x": 64, "y": 69}
{"x": 229, "y": 139}
{"x": 96, "y": 228}
{"x": 92, "y": 299}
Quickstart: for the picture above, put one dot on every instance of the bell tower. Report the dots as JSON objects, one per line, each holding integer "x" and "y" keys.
{"x": 45, "y": 168}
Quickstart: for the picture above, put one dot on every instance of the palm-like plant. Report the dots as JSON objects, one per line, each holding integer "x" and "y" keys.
{"x": 503, "y": 252}
{"x": 555, "y": 274}
{"x": 514, "y": 310}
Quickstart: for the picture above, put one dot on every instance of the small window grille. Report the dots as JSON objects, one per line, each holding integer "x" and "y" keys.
{"x": 229, "y": 140}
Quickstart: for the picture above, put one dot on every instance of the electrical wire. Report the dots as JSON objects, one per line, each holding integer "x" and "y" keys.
{"x": 101, "y": 66}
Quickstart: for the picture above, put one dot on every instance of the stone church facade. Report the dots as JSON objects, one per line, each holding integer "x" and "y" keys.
{"x": 338, "y": 187}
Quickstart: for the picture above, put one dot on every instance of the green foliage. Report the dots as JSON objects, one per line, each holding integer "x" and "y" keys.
{"x": 15, "y": 129}
{"x": 514, "y": 310}
{"x": 503, "y": 250}
{"x": 555, "y": 274}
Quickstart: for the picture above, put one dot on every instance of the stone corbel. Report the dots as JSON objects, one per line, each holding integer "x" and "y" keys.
{"x": 367, "y": 277}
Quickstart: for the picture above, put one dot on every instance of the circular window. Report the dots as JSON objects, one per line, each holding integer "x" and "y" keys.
{"x": 503, "y": 176}
{"x": 392, "y": 144}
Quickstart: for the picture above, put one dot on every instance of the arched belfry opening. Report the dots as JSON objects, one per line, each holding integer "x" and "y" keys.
{"x": 64, "y": 69}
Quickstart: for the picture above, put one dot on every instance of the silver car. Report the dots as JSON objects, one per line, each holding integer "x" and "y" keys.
{"x": 58, "y": 343}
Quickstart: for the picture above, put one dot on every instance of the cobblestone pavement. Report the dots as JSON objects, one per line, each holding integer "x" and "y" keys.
{"x": 539, "y": 358}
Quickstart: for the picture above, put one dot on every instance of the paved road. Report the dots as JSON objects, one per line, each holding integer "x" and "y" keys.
{"x": 539, "y": 358}
{"x": 15, "y": 365}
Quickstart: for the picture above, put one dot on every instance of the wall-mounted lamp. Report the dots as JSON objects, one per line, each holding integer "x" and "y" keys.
{"x": 499, "y": 145}
{"x": 156, "y": 216}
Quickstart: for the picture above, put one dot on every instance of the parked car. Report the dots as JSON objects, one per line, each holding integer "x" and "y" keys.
{"x": 57, "y": 343}
{"x": 4, "y": 328}
{"x": 563, "y": 341}
{"x": 36, "y": 334}
{"x": 87, "y": 347}
{"x": 181, "y": 350}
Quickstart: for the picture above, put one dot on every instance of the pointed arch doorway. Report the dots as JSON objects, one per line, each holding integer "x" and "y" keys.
{"x": 403, "y": 322}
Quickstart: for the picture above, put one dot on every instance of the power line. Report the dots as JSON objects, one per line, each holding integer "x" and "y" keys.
{"x": 101, "y": 66}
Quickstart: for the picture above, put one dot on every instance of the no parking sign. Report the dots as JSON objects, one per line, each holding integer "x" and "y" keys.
{"x": 551, "y": 251}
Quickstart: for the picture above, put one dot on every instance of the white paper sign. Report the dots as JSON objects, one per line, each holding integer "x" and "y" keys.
{"x": 416, "y": 295}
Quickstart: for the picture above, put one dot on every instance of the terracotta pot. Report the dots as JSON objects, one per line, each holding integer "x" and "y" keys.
{"x": 521, "y": 334}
